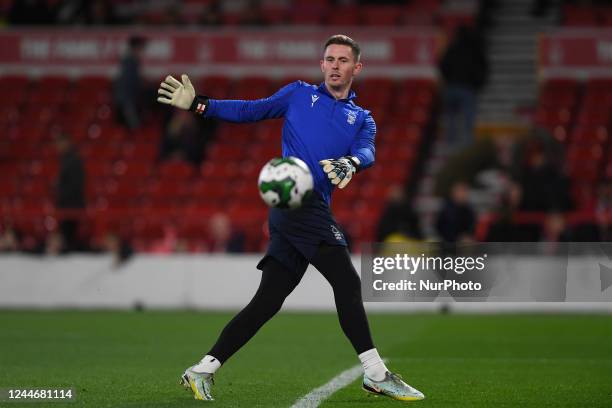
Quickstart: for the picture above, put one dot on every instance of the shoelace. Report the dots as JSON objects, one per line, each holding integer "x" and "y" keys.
{"x": 399, "y": 378}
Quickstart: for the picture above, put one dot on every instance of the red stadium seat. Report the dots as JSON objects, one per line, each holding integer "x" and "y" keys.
{"x": 344, "y": 15}
{"x": 43, "y": 170}
{"x": 268, "y": 132}
{"x": 219, "y": 169}
{"x": 94, "y": 82}
{"x": 36, "y": 189}
{"x": 140, "y": 151}
{"x": 380, "y": 15}
{"x": 211, "y": 191}
{"x": 170, "y": 192}
{"x": 251, "y": 88}
{"x": 585, "y": 152}
{"x": 574, "y": 15}
{"x": 232, "y": 134}
{"x": 390, "y": 153}
{"x": 274, "y": 13}
{"x": 594, "y": 118}
{"x": 218, "y": 87}
{"x": 605, "y": 16}
{"x": 176, "y": 170}
{"x": 135, "y": 170}
{"x": 306, "y": 17}
{"x": 99, "y": 168}
{"x": 227, "y": 152}
{"x": 42, "y": 114}
{"x": 589, "y": 135}
{"x": 15, "y": 82}
{"x": 584, "y": 171}
{"x": 246, "y": 190}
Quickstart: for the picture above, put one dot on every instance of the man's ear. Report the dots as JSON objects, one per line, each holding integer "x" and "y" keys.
{"x": 357, "y": 69}
{"x": 321, "y": 63}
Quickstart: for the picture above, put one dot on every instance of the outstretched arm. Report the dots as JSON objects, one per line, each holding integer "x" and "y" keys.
{"x": 241, "y": 111}
{"x": 172, "y": 92}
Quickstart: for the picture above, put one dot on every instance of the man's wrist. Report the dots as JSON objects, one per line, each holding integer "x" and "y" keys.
{"x": 356, "y": 162}
{"x": 199, "y": 104}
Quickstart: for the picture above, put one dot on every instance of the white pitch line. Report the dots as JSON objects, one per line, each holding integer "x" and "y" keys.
{"x": 316, "y": 396}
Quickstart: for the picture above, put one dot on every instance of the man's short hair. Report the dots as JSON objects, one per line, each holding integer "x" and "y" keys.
{"x": 344, "y": 40}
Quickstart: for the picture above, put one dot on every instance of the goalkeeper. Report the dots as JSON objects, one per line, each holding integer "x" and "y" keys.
{"x": 326, "y": 129}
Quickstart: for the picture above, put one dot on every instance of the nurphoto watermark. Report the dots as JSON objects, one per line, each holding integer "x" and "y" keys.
{"x": 481, "y": 272}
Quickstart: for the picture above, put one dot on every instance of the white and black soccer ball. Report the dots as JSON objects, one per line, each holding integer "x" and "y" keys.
{"x": 285, "y": 182}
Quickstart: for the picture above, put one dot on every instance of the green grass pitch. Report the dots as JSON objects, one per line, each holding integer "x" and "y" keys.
{"x": 133, "y": 359}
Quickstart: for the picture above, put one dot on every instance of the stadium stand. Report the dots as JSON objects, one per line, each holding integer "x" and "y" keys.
{"x": 124, "y": 176}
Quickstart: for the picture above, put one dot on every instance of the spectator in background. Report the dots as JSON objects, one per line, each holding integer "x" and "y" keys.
{"x": 539, "y": 8}
{"x": 604, "y": 211}
{"x": 184, "y": 138}
{"x": 70, "y": 190}
{"x": 119, "y": 248}
{"x": 398, "y": 218}
{"x": 211, "y": 14}
{"x": 9, "y": 239}
{"x": 253, "y": 14}
{"x": 554, "y": 228}
{"x": 466, "y": 164}
{"x": 55, "y": 244}
{"x": 128, "y": 86}
{"x": 503, "y": 228}
{"x": 544, "y": 186}
{"x": 31, "y": 12}
{"x": 83, "y": 12}
{"x": 101, "y": 12}
{"x": 457, "y": 219}
{"x": 222, "y": 236}
{"x": 464, "y": 68}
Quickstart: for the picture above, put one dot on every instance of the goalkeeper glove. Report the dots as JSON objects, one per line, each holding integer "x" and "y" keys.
{"x": 340, "y": 171}
{"x": 172, "y": 92}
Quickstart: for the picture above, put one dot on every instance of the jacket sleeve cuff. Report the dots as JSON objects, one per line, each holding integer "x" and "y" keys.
{"x": 356, "y": 162}
{"x": 199, "y": 104}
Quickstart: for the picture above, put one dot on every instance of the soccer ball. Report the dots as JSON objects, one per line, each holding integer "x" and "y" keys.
{"x": 285, "y": 182}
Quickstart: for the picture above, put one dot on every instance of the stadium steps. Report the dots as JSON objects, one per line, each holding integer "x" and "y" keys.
{"x": 513, "y": 57}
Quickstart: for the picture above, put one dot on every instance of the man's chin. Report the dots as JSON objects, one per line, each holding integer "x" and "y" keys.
{"x": 337, "y": 84}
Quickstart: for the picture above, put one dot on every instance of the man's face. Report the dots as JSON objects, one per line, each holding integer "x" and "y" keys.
{"x": 339, "y": 66}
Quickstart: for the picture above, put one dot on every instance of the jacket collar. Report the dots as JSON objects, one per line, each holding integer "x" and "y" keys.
{"x": 323, "y": 89}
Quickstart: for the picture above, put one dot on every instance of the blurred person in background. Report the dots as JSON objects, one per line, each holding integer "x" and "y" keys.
{"x": 223, "y": 237}
{"x": 70, "y": 191}
{"x": 128, "y": 87}
{"x": 253, "y": 14}
{"x": 467, "y": 164}
{"x": 184, "y": 138}
{"x": 83, "y": 12}
{"x": 31, "y": 12}
{"x": 464, "y": 68}
{"x": 539, "y": 8}
{"x": 457, "y": 219}
{"x": 603, "y": 211}
{"x": 554, "y": 228}
{"x": 211, "y": 14}
{"x": 119, "y": 248}
{"x": 55, "y": 244}
{"x": 398, "y": 220}
{"x": 502, "y": 229}
{"x": 542, "y": 181}
{"x": 9, "y": 238}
